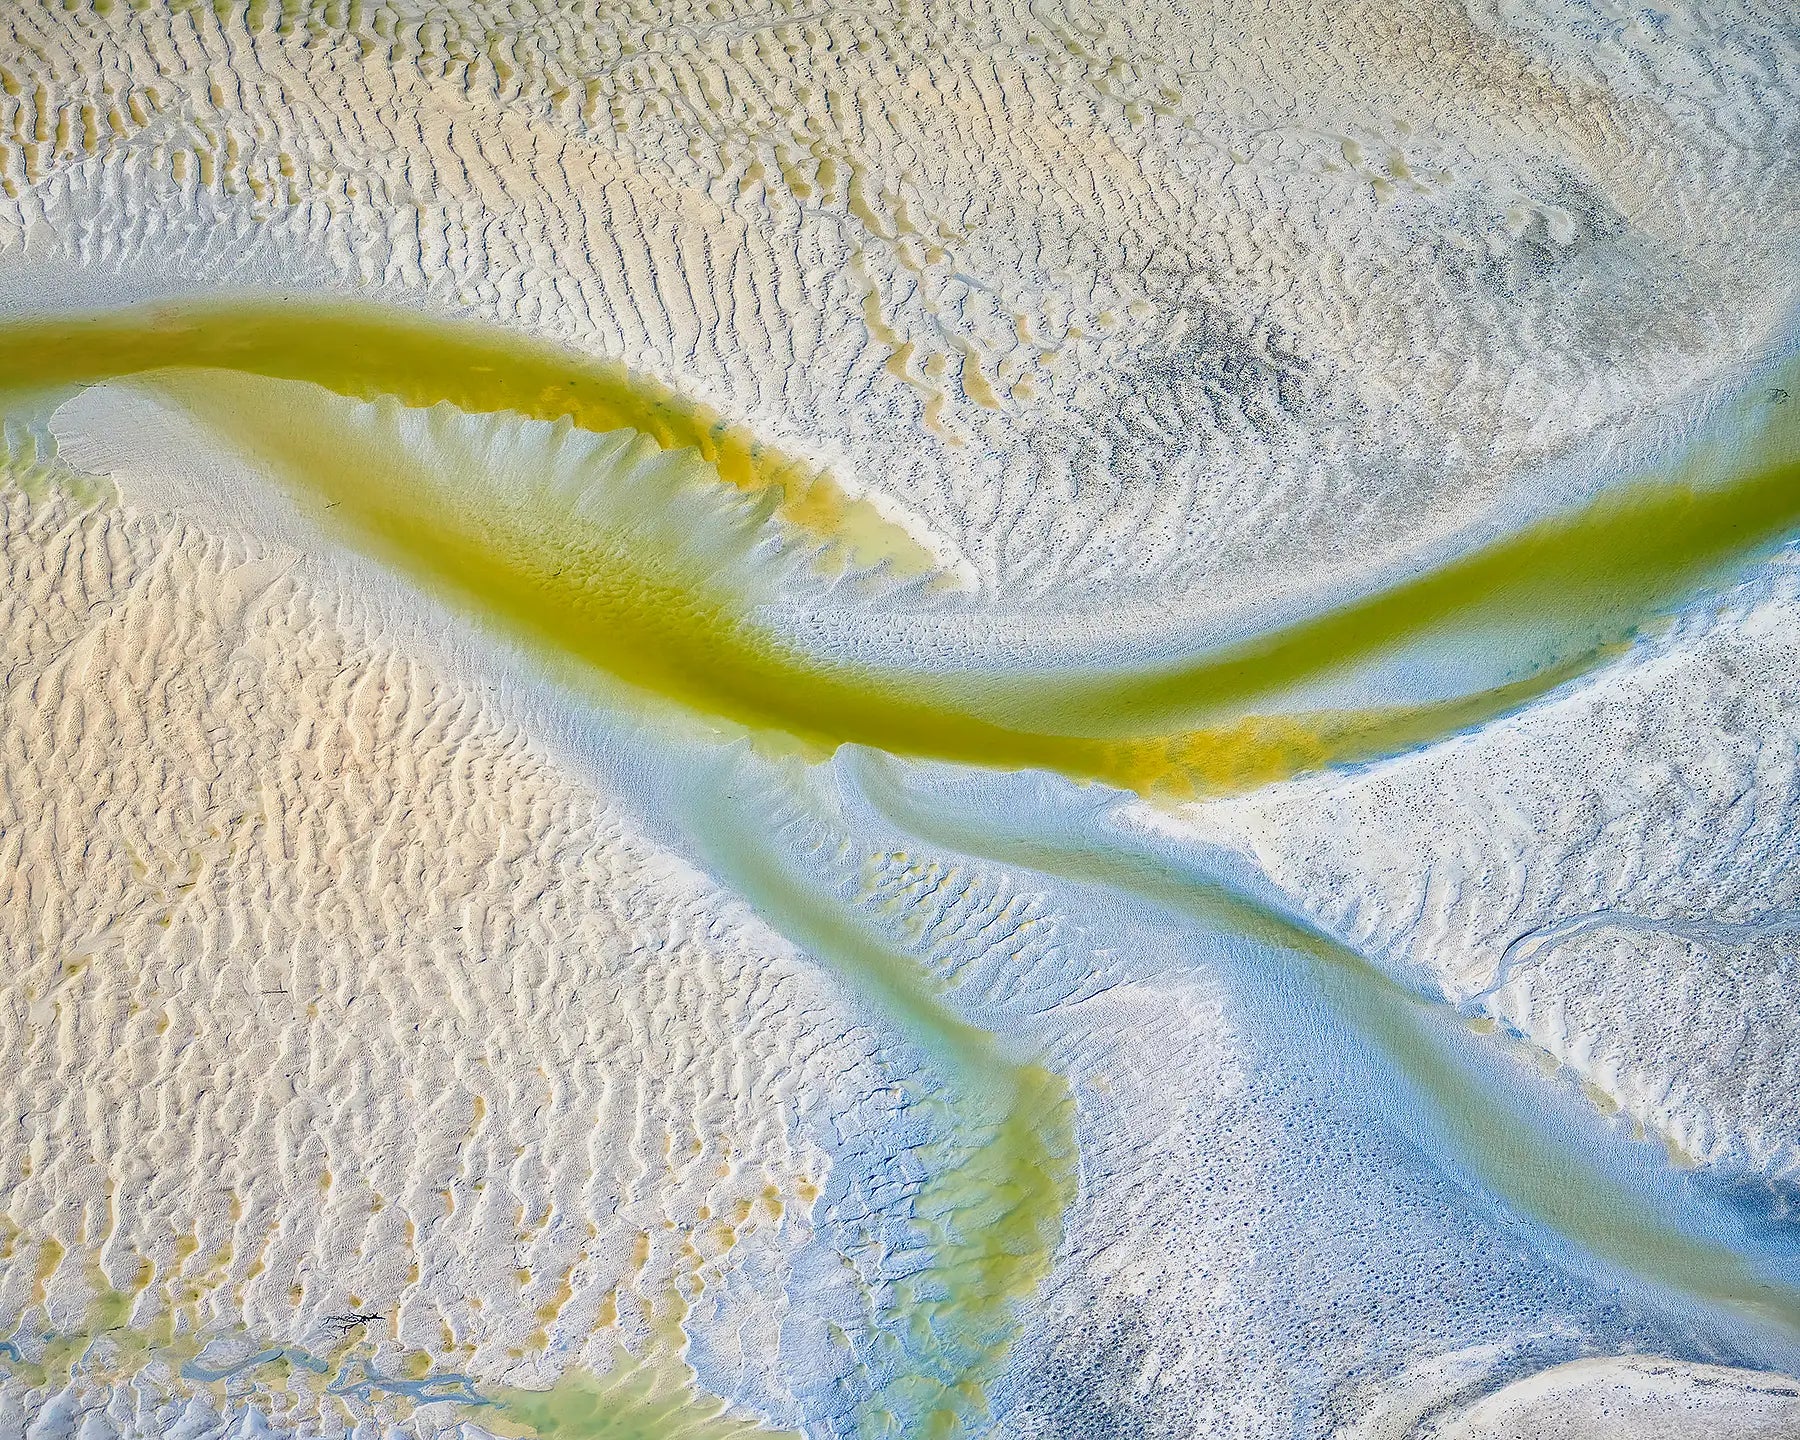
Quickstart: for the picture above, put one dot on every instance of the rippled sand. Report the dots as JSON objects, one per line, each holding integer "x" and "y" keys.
{"x": 911, "y": 721}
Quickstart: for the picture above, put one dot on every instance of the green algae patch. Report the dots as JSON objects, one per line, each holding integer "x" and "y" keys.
{"x": 989, "y": 1211}
{"x": 1524, "y": 1166}
{"x": 633, "y": 1400}
{"x": 636, "y": 1399}
{"x": 669, "y": 603}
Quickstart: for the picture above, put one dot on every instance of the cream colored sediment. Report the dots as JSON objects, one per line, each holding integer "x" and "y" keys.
{"x": 338, "y": 978}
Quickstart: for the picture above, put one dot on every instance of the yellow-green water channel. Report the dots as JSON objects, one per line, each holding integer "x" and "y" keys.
{"x": 1577, "y": 584}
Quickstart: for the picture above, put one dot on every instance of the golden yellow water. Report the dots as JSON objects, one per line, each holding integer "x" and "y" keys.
{"x": 1579, "y": 585}
{"x": 365, "y": 352}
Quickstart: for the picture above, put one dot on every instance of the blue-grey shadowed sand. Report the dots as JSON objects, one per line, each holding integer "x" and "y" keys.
{"x": 1580, "y": 1187}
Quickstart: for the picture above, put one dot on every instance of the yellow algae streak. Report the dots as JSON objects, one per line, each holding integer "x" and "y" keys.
{"x": 1575, "y": 587}
{"x": 366, "y": 352}
{"x": 1571, "y": 586}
